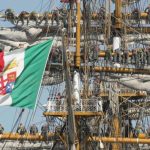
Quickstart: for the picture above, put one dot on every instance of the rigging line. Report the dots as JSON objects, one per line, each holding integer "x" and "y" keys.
{"x": 29, "y": 123}
{"x": 41, "y": 107}
{"x": 29, "y": 111}
{"x": 136, "y": 105}
{"x": 49, "y": 24}
{"x": 140, "y": 25}
{"x": 125, "y": 100}
{"x": 52, "y": 92}
{"x": 50, "y": 95}
{"x": 27, "y": 126}
{"x": 41, "y": 6}
{"x": 42, "y": 141}
{"x": 61, "y": 133}
{"x": 88, "y": 132}
{"x": 145, "y": 103}
{"x": 19, "y": 117}
{"x": 48, "y": 89}
{"x": 14, "y": 118}
{"x": 39, "y": 96}
{"x": 39, "y": 123}
{"x": 126, "y": 24}
{"x": 31, "y": 118}
{"x": 52, "y": 51}
{"x": 23, "y": 120}
{"x": 33, "y": 112}
{"x": 46, "y": 5}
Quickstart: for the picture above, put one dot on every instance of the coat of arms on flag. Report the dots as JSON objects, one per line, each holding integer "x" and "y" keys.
{"x": 7, "y": 78}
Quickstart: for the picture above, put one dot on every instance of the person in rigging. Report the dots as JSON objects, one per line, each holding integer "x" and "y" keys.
{"x": 24, "y": 15}
{"x": 148, "y": 131}
{"x": 97, "y": 86}
{"x": 101, "y": 14}
{"x": 144, "y": 56}
{"x": 117, "y": 56}
{"x": 63, "y": 16}
{"x": 147, "y": 10}
{"x": 95, "y": 52}
{"x": 55, "y": 17}
{"x": 139, "y": 57}
{"x": 136, "y": 15}
{"x": 58, "y": 101}
{"x": 21, "y": 129}
{"x": 138, "y": 130}
{"x": 33, "y": 129}
{"x": 45, "y": 130}
{"x": 148, "y": 56}
{"x": 46, "y": 17}
{"x": 1, "y": 129}
{"x": 57, "y": 55}
{"x": 125, "y": 57}
{"x": 134, "y": 56}
{"x": 10, "y": 15}
{"x": 108, "y": 56}
{"x": 128, "y": 128}
{"x": 34, "y": 16}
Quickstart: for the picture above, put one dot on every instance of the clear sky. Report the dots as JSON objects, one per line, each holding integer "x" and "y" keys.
{"x": 9, "y": 114}
{"x": 27, "y": 5}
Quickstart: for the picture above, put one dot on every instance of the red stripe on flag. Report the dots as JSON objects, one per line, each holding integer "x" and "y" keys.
{"x": 64, "y": 1}
{"x": 1, "y": 61}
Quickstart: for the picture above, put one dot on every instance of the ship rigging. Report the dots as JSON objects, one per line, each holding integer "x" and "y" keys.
{"x": 97, "y": 75}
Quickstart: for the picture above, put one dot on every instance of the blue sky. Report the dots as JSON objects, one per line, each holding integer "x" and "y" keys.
{"x": 27, "y": 5}
{"x": 9, "y": 114}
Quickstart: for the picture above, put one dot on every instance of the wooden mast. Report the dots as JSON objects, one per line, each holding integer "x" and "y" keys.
{"x": 118, "y": 14}
{"x": 78, "y": 35}
{"x": 70, "y": 117}
{"x": 116, "y": 123}
{"x": 78, "y": 55}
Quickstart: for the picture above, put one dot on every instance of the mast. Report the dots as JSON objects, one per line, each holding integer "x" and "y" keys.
{"x": 116, "y": 46}
{"x": 107, "y": 20}
{"x": 77, "y": 59}
{"x": 71, "y": 118}
{"x": 77, "y": 63}
{"x": 118, "y": 14}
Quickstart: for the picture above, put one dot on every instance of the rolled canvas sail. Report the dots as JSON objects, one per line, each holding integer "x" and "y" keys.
{"x": 21, "y": 74}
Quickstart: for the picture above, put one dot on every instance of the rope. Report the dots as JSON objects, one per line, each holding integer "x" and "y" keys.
{"x": 17, "y": 121}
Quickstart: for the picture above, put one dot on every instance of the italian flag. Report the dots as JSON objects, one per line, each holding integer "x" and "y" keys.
{"x": 21, "y": 74}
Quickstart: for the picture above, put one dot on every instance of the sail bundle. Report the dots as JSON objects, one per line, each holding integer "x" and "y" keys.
{"x": 21, "y": 73}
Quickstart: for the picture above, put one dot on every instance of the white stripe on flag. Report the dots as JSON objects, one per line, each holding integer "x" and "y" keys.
{"x": 19, "y": 56}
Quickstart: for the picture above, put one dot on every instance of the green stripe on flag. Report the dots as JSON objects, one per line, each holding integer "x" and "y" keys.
{"x": 27, "y": 84}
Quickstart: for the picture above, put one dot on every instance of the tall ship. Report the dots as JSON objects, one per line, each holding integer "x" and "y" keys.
{"x": 95, "y": 90}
